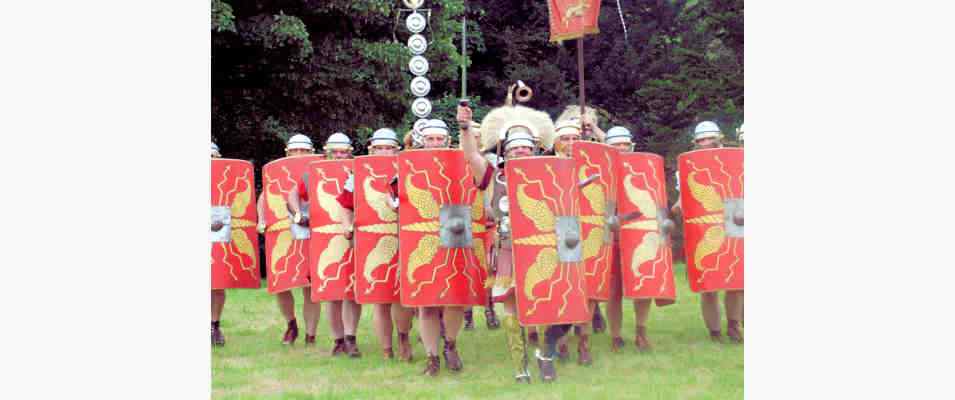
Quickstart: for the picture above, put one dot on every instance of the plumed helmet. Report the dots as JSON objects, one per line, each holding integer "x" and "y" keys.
{"x": 215, "y": 151}
{"x": 299, "y": 141}
{"x": 338, "y": 141}
{"x": 384, "y": 136}
{"x": 619, "y": 134}
{"x": 495, "y": 126}
{"x": 707, "y": 129}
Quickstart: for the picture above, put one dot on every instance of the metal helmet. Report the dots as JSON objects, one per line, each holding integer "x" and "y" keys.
{"x": 739, "y": 132}
{"x": 570, "y": 126}
{"x": 215, "y": 150}
{"x": 384, "y": 136}
{"x": 434, "y": 127}
{"x": 518, "y": 133}
{"x": 299, "y": 141}
{"x": 619, "y": 134}
{"x": 338, "y": 141}
{"x": 707, "y": 129}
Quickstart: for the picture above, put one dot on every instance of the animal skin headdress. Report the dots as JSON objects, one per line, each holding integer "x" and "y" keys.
{"x": 496, "y": 122}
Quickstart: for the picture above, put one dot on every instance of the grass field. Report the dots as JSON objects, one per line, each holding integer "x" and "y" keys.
{"x": 683, "y": 365}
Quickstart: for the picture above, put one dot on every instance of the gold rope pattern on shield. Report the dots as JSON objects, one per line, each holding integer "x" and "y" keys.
{"x": 333, "y": 254}
{"x": 378, "y": 201}
{"x": 645, "y": 251}
{"x": 711, "y": 242}
{"x": 422, "y": 200}
{"x": 423, "y": 254}
{"x": 386, "y": 229}
{"x": 543, "y": 257}
{"x": 535, "y": 210}
{"x": 541, "y": 270}
{"x": 385, "y": 250}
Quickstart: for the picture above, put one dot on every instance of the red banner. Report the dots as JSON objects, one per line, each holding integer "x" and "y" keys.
{"x": 330, "y": 262}
{"x": 235, "y": 246}
{"x": 376, "y": 231}
{"x": 646, "y": 258}
{"x": 543, "y": 207}
{"x": 286, "y": 244}
{"x": 442, "y": 233}
{"x": 712, "y": 199}
{"x": 571, "y": 19}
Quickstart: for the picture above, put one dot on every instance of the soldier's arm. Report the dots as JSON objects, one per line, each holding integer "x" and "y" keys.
{"x": 469, "y": 144}
{"x": 260, "y": 210}
{"x": 294, "y": 205}
{"x": 348, "y": 221}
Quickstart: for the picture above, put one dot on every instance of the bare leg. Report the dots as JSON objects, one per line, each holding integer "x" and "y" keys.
{"x": 383, "y": 325}
{"x": 335, "y": 323}
{"x": 615, "y": 313}
{"x": 453, "y": 320}
{"x": 286, "y": 304}
{"x": 218, "y": 302}
{"x": 402, "y": 317}
{"x": 430, "y": 329}
{"x": 311, "y": 311}
{"x": 734, "y": 315}
{"x": 710, "y": 305}
{"x": 351, "y": 314}
{"x": 641, "y": 307}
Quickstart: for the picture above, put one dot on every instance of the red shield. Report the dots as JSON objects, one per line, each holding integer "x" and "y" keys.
{"x": 443, "y": 257}
{"x": 646, "y": 258}
{"x": 376, "y": 231}
{"x": 330, "y": 262}
{"x": 235, "y": 247}
{"x": 546, "y": 241}
{"x": 571, "y": 19}
{"x": 711, "y": 183}
{"x": 286, "y": 248}
{"x": 598, "y": 164}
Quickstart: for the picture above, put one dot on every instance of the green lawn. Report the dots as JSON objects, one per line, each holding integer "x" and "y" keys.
{"x": 683, "y": 365}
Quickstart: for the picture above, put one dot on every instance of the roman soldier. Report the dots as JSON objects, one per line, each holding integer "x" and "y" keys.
{"x": 707, "y": 135}
{"x": 298, "y": 145}
{"x": 387, "y": 316}
{"x": 434, "y": 134}
{"x": 343, "y": 315}
{"x": 513, "y": 132}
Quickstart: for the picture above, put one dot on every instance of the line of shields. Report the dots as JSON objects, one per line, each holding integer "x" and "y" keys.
{"x": 575, "y": 224}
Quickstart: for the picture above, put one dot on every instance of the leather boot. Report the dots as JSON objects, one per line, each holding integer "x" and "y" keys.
{"x": 733, "y": 332}
{"x": 491, "y": 318}
{"x": 546, "y": 366}
{"x": 404, "y": 347}
{"x": 583, "y": 351}
{"x": 291, "y": 333}
{"x": 617, "y": 344}
{"x": 351, "y": 346}
{"x": 451, "y": 357}
{"x": 468, "y": 319}
{"x": 643, "y": 344}
{"x": 433, "y": 366}
{"x": 217, "y": 338}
